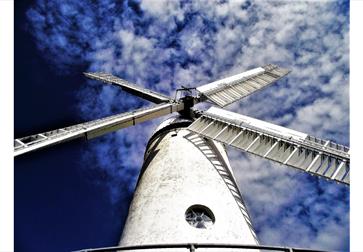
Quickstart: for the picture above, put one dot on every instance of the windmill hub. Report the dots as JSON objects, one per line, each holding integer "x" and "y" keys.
{"x": 188, "y": 102}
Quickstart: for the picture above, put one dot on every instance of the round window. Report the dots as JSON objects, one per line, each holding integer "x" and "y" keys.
{"x": 199, "y": 216}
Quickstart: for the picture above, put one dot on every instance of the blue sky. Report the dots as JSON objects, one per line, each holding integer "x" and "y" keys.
{"x": 165, "y": 44}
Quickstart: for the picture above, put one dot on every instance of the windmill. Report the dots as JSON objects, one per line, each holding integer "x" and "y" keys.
{"x": 186, "y": 192}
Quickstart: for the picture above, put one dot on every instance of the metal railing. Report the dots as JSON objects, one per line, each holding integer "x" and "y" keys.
{"x": 193, "y": 247}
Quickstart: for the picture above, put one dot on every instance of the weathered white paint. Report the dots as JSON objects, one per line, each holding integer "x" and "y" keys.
{"x": 179, "y": 176}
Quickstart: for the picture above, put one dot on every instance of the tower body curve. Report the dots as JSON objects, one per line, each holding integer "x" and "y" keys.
{"x": 186, "y": 193}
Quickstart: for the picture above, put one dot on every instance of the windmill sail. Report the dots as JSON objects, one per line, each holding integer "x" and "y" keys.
{"x": 283, "y": 145}
{"x": 228, "y": 90}
{"x": 93, "y": 128}
{"x": 129, "y": 87}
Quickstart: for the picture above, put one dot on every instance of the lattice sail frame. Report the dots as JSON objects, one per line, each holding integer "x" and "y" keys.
{"x": 279, "y": 144}
{"x": 93, "y": 128}
{"x": 229, "y": 90}
{"x": 144, "y": 93}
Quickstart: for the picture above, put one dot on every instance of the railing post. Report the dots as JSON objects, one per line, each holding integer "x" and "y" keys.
{"x": 192, "y": 248}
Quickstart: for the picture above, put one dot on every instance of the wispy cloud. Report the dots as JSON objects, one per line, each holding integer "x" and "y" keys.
{"x": 163, "y": 44}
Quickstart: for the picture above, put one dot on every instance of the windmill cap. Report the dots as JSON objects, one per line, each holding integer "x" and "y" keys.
{"x": 173, "y": 122}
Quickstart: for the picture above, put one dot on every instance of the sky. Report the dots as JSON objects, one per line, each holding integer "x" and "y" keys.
{"x": 77, "y": 195}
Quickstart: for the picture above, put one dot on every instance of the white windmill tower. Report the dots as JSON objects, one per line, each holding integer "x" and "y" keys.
{"x": 186, "y": 195}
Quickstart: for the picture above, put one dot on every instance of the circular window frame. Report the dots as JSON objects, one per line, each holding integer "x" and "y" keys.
{"x": 197, "y": 209}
